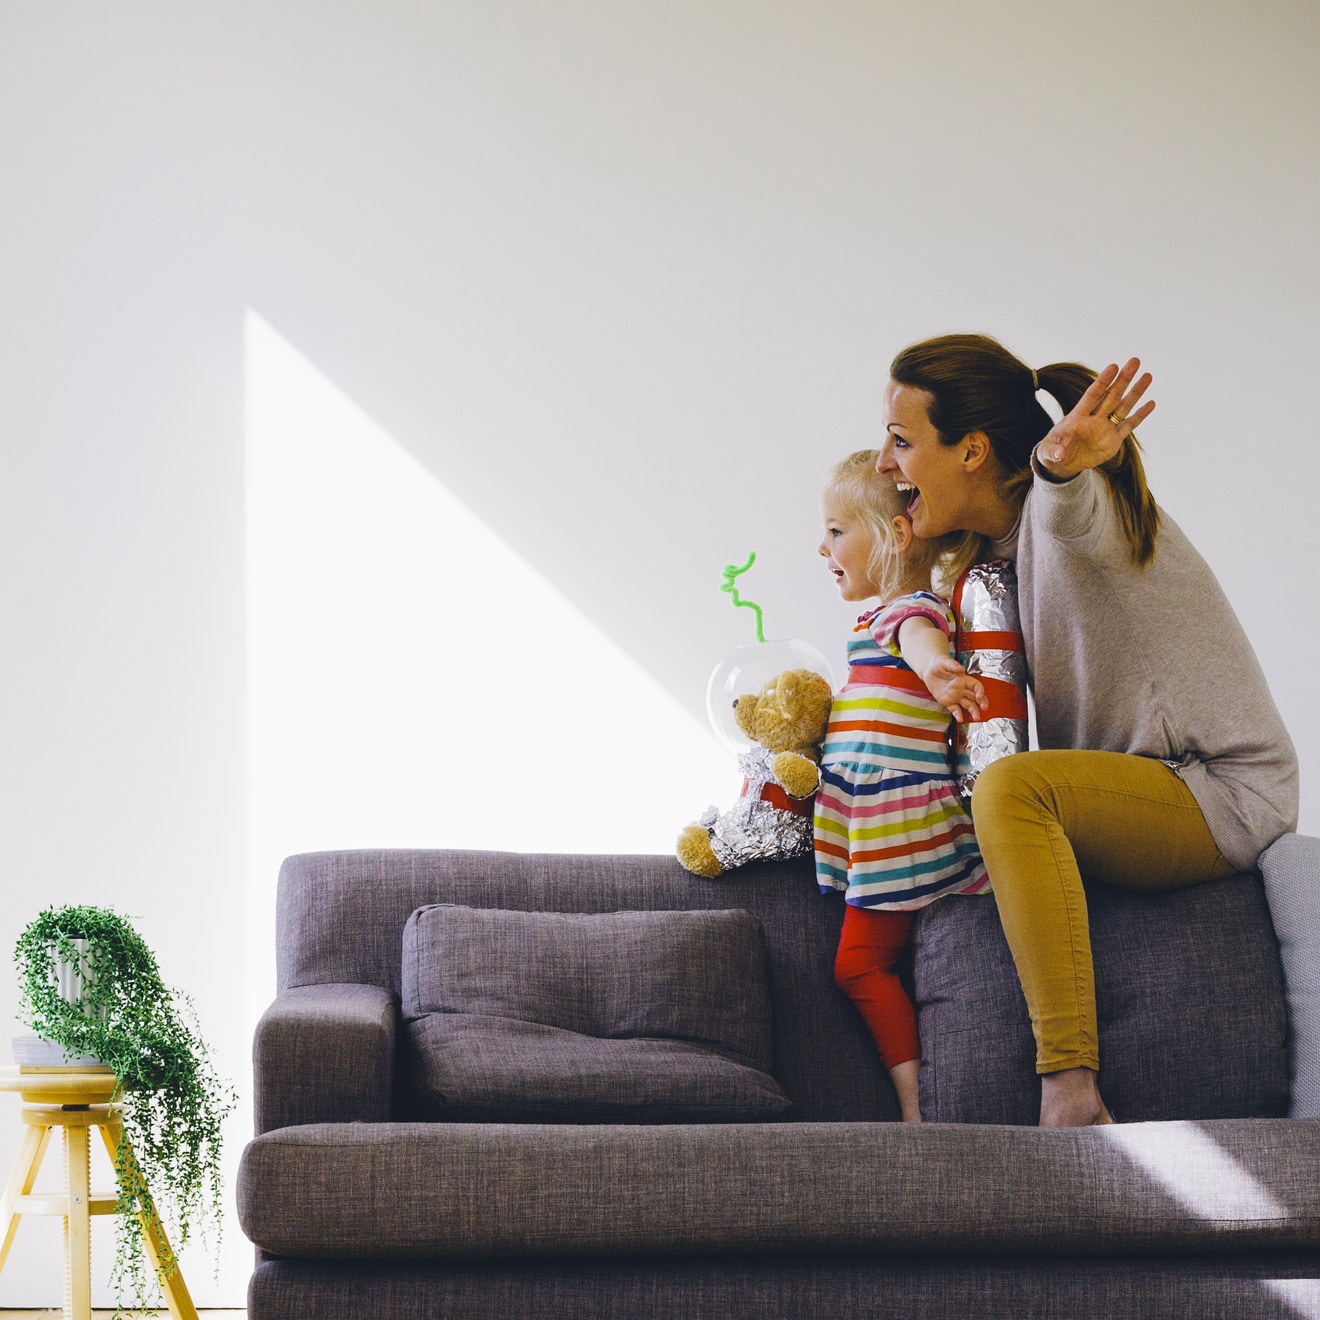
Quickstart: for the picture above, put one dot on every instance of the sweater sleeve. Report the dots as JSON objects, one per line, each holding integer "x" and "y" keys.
{"x": 1078, "y": 513}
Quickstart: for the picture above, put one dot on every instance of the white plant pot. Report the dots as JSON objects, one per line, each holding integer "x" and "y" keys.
{"x": 72, "y": 978}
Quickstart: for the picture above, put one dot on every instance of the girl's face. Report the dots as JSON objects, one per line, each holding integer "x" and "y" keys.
{"x": 847, "y": 546}
{"x": 935, "y": 474}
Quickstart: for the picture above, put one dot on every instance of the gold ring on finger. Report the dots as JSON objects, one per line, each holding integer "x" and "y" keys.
{"x": 1116, "y": 419}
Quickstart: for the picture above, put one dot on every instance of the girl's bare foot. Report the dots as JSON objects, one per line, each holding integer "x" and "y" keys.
{"x": 1071, "y": 1099}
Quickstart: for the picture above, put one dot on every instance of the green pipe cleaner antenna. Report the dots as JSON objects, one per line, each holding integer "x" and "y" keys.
{"x": 731, "y": 571}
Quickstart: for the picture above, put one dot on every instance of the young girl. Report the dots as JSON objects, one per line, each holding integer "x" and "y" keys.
{"x": 890, "y": 828}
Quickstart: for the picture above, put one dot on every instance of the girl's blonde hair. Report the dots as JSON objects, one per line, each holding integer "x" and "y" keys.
{"x": 928, "y": 564}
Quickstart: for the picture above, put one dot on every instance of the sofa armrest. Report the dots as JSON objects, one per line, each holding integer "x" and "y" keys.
{"x": 1291, "y": 868}
{"x": 325, "y": 1054}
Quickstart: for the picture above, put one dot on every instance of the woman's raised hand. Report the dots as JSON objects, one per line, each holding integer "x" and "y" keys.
{"x": 1103, "y": 418}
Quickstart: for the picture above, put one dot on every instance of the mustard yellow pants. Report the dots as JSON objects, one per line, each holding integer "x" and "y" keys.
{"x": 1041, "y": 819}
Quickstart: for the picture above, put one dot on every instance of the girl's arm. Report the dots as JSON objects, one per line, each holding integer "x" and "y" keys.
{"x": 925, "y": 649}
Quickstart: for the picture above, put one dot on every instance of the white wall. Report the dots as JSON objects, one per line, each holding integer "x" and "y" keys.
{"x": 626, "y": 279}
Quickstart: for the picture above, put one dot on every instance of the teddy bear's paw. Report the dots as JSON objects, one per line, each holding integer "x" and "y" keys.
{"x": 798, "y": 776}
{"x": 695, "y": 853}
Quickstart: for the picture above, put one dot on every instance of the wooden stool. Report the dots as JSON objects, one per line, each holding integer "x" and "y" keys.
{"x": 77, "y": 1101}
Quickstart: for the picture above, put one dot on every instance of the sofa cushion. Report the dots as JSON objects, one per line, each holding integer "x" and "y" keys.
{"x": 899, "y": 1190}
{"x": 341, "y": 917}
{"x": 1291, "y": 870}
{"x": 608, "y": 1017}
{"x": 1189, "y": 1000}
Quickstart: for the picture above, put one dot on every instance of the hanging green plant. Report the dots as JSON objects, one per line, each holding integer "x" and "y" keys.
{"x": 171, "y": 1102}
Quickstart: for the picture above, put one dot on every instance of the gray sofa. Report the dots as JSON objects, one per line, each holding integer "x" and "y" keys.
{"x": 399, "y": 1172}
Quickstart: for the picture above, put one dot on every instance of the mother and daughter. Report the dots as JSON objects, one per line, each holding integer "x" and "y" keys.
{"x": 1158, "y": 735}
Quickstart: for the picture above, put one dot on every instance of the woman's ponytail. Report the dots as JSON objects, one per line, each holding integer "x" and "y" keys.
{"x": 1066, "y": 382}
{"x": 1136, "y": 505}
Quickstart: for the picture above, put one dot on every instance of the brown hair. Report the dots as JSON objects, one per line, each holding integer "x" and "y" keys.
{"x": 976, "y": 384}
{"x": 875, "y": 501}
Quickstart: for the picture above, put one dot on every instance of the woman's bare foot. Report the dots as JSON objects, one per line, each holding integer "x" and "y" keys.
{"x": 904, "y": 1076}
{"x": 1071, "y": 1099}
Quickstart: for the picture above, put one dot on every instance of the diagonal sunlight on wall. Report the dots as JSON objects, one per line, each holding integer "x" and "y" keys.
{"x": 412, "y": 681}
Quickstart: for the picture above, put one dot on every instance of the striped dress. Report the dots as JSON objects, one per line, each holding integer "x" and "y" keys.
{"x": 890, "y": 828}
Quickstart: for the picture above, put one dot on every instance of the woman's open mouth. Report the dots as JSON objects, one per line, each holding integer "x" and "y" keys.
{"x": 913, "y": 494}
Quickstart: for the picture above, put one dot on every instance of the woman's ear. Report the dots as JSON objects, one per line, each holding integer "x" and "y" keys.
{"x": 976, "y": 449}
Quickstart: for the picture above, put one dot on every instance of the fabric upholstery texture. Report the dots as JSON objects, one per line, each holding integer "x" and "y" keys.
{"x": 1291, "y": 868}
{"x": 581, "y": 1017}
{"x": 465, "y": 1191}
{"x": 325, "y": 1054}
{"x": 823, "y": 1056}
{"x": 696, "y": 976}
{"x": 1251, "y": 1286}
{"x": 831, "y": 1214}
{"x": 1189, "y": 997}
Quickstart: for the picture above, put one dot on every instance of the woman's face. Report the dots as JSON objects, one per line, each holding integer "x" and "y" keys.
{"x": 935, "y": 474}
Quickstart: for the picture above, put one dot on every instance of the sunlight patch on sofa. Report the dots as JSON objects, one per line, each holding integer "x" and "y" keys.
{"x": 1302, "y": 1295}
{"x": 1195, "y": 1170}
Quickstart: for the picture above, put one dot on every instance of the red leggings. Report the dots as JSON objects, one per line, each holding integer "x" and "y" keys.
{"x": 869, "y": 949}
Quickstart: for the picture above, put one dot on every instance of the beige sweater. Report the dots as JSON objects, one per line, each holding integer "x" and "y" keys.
{"x": 1150, "y": 661}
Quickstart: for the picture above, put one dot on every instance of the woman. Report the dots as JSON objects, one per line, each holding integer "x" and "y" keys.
{"x": 1164, "y": 760}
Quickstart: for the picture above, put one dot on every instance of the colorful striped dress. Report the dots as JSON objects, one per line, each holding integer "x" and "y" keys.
{"x": 890, "y": 828}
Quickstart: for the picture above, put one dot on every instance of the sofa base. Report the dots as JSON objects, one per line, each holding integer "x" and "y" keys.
{"x": 1274, "y": 1286}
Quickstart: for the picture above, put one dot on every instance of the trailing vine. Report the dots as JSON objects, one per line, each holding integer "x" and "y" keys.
{"x": 171, "y": 1102}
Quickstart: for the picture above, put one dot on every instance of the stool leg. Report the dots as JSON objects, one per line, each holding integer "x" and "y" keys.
{"x": 159, "y": 1252}
{"x": 21, "y": 1182}
{"x": 77, "y": 1226}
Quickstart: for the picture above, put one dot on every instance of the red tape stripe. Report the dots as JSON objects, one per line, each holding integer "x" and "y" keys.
{"x": 991, "y": 641}
{"x": 776, "y": 797}
{"x": 1007, "y": 700}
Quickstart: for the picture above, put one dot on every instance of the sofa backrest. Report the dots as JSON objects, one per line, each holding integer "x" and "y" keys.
{"x": 341, "y": 917}
{"x": 1189, "y": 985}
{"x": 1189, "y": 1007}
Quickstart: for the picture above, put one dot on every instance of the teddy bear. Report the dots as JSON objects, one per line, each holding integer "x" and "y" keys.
{"x": 773, "y": 816}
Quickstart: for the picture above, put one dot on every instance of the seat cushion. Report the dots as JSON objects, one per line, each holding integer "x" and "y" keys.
{"x": 1189, "y": 1002}
{"x": 647, "y": 1017}
{"x": 464, "y": 1191}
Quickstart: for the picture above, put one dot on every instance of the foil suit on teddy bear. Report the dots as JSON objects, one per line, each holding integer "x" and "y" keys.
{"x": 773, "y": 815}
